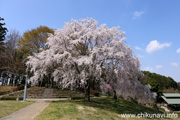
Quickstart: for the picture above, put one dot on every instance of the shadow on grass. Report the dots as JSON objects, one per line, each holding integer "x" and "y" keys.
{"x": 120, "y": 106}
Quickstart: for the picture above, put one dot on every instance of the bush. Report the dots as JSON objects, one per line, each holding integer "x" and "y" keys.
{"x": 171, "y": 90}
{"x": 63, "y": 96}
{"x": 95, "y": 93}
{"x": 20, "y": 87}
{"x": 155, "y": 106}
{"x": 77, "y": 97}
{"x": 10, "y": 98}
{"x": 132, "y": 100}
{"x": 4, "y": 92}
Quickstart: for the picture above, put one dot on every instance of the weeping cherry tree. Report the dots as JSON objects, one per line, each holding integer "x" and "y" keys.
{"x": 83, "y": 53}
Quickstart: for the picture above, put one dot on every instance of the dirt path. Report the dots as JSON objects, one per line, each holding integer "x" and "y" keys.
{"x": 29, "y": 112}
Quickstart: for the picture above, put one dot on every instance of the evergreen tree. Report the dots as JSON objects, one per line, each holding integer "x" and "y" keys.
{"x": 3, "y": 31}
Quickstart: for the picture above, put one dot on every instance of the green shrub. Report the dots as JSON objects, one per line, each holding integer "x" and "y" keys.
{"x": 63, "y": 96}
{"x": 155, "y": 106}
{"x": 95, "y": 93}
{"x": 132, "y": 100}
{"x": 4, "y": 92}
{"x": 21, "y": 87}
{"x": 10, "y": 98}
{"x": 77, "y": 97}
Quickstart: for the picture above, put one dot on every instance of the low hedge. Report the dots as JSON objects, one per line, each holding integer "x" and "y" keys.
{"x": 4, "y": 92}
{"x": 20, "y": 87}
{"x": 95, "y": 93}
{"x": 10, "y": 98}
{"x": 77, "y": 97}
{"x": 63, "y": 96}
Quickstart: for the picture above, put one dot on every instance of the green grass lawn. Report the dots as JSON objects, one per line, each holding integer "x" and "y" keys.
{"x": 97, "y": 109}
{"x": 8, "y": 107}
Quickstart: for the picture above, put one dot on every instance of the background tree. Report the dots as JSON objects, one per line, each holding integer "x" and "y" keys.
{"x": 33, "y": 41}
{"x": 11, "y": 66}
{"x": 3, "y": 31}
{"x": 159, "y": 82}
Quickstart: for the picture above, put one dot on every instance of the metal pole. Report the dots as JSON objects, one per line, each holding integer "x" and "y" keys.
{"x": 25, "y": 89}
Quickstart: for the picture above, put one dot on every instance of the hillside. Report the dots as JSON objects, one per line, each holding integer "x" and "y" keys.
{"x": 159, "y": 82}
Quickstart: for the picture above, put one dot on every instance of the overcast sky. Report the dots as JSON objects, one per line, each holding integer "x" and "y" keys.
{"x": 152, "y": 26}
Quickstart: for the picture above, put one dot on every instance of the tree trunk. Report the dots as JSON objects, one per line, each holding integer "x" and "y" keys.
{"x": 51, "y": 82}
{"x": 114, "y": 94}
{"x": 3, "y": 81}
{"x": 87, "y": 91}
{"x": 14, "y": 80}
{"x": 93, "y": 85}
{"x": 6, "y": 80}
{"x": 41, "y": 83}
{"x": 11, "y": 79}
{"x": 48, "y": 82}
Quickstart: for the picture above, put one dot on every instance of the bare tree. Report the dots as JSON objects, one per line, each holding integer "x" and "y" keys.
{"x": 11, "y": 64}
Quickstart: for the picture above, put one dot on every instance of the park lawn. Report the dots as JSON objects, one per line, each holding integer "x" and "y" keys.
{"x": 8, "y": 107}
{"x": 97, "y": 109}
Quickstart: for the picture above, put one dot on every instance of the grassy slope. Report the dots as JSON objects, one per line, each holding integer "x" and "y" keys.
{"x": 97, "y": 109}
{"x": 33, "y": 92}
{"x": 7, "y": 89}
{"x": 37, "y": 92}
{"x": 8, "y": 107}
{"x": 58, "y": 93}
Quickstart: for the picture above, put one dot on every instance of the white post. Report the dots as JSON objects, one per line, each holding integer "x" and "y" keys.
{"x": 25, "y": 89}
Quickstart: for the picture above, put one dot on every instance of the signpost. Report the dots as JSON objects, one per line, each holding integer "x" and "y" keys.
{"x": 25, "y": 89}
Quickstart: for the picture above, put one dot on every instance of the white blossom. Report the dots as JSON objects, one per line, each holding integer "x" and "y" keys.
{"x": 82, "y": 52}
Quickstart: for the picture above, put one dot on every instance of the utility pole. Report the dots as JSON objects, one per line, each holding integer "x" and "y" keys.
{"x": 25, "y": 88}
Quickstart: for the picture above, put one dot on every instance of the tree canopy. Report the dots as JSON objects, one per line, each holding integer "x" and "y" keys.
{"x": 33, "y": 41}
